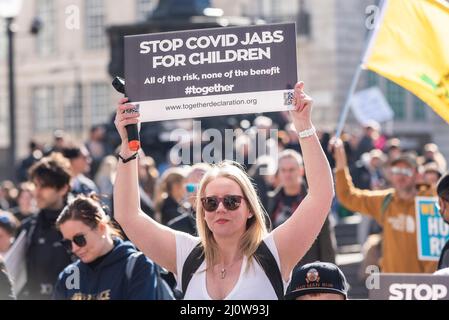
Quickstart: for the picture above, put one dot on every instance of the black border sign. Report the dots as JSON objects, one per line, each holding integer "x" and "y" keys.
{"x": 211, "y": 72}
{"x": 395, "y": 286}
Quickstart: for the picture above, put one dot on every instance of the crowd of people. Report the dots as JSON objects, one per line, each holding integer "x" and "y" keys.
{"x": 101, "y": 222}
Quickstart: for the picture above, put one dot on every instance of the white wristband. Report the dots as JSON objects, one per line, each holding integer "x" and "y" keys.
{"x": 307, "y": 133}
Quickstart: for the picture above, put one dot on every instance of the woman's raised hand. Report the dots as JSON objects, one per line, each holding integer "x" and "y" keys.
{"x": 124, "y": 117}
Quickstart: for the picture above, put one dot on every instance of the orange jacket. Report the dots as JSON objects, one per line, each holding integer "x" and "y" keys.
{"x": 400, "y": 246}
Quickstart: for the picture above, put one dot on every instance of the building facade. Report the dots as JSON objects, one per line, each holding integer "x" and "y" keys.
{"x": 62, "y": 80}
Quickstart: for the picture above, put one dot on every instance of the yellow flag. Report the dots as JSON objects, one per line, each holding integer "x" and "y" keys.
{"x": 410, "y": 46}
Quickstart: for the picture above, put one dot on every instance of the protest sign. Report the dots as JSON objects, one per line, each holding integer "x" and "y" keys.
{"x": 211, "y": 72}
{"x": 15, "y": 262}
{"x": 370, "y": 104}
{"x": 432, "y": 231}
{"x": 395, "y": 286}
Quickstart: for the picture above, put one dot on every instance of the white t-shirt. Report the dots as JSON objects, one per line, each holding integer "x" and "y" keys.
{"x": 253, "y": 284}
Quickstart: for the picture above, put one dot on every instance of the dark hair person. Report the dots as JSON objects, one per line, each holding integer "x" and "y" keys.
{"x": 103, "y": 269}
{"x": 45, "y": 258}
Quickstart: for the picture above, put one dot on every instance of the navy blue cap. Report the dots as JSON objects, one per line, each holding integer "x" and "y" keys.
{"x": 317, "y": 277}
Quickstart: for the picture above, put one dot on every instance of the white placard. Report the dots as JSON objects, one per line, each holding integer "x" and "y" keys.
{"x": 15, "y": 262}
{"x": 370, "y": 104}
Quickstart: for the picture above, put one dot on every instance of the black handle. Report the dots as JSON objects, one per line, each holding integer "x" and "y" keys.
{"x": 131, "y": 129}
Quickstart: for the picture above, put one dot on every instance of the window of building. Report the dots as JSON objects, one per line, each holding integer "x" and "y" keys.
{"x": 72, "y": 104}
{"x": 100, "y": 96}
{"x": 419, "y": 109}
{"x": 44, "y": 111}
{"x": 46, "y": 38}
{"x": 95, "y": 24}
{"x": 144, "y": 8}
{"x": 396, "y": 99}
{"x": 279, "y": 10}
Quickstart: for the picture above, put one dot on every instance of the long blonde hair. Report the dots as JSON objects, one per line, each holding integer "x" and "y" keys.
{"x": 256, "y": 228}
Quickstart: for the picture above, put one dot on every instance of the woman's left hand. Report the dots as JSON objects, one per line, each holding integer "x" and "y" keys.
{"x": 303, "y": 108}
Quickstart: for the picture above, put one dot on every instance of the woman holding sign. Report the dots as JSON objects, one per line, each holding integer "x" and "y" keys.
{"x": 234, "y": 257}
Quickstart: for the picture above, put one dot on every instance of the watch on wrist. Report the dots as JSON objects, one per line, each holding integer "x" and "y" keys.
{"x": 307, "y": 133}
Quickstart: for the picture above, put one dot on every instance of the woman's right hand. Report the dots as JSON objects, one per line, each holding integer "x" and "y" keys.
{"x": 124, "y": 118}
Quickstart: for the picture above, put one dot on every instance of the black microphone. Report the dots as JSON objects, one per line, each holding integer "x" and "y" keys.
{"x": 131, "y": 129}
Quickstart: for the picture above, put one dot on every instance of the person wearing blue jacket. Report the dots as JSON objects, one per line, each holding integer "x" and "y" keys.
{"x": 108, "y": 267}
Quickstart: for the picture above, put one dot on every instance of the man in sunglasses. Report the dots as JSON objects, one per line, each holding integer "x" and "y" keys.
{"x": 45, "y": 256}
{"x": 393, "y": 209}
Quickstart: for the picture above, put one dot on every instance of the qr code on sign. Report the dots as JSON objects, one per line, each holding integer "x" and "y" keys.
{"x": 288, "y": 98}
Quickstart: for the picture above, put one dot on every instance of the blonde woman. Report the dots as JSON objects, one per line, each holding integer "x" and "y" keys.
{"x": 230, "y": 220}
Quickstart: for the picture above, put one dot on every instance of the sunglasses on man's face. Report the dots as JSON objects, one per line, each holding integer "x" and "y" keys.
{"x": 402, "y": 171}
{"x": 79, "y": 240}
{"x": 230, "y": 202}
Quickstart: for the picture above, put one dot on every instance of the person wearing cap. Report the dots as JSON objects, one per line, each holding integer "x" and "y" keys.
{"x": 318, "y": 281}
{"x": 393, "y": 209}
{"x": 433, "y": 154}
{"x": 431, "y": 173}
{"x": 59, "y": 142}
{"x": 443, "y": 204}
{"x": 393, "y": 148}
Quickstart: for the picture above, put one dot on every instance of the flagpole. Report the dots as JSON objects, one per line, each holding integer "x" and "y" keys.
{"x": 344, "y": 114}
{"x": 355, "y": 79}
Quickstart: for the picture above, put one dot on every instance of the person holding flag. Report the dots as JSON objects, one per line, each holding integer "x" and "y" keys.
{"x": 393, "y": 209}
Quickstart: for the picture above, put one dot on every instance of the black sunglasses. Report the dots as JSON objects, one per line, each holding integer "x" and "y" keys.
{"x": 230, "y": 202}
{"x": 79, "y": 240}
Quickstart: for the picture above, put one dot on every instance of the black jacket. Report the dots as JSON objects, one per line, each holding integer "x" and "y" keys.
{"x": 324, "y": 247}
{"x": 45, "y": 255}
{"x": 170, "y": 210}
{"x": 186, "y": 222}
{"x": 275, "y": 202}
{"x": 444, "y": 257}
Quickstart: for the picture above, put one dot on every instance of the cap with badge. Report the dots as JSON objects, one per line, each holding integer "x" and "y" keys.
{"x": 317, "y": 277}
{"x": 408, "y": 158}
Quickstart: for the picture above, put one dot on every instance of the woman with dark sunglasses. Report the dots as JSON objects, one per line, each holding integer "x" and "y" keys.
{"x": 230, "y": 220}
{"x": 103, "y": 269}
